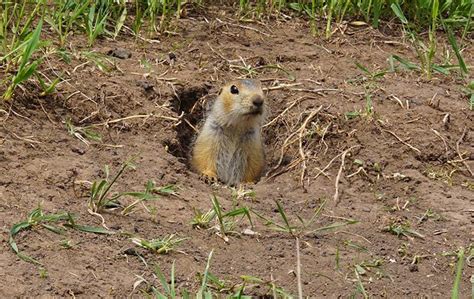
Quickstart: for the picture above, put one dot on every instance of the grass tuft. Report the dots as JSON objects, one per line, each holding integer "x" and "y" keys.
{"x": 227, "y": 222}
{"x": 38, "y": 218}
{"x": 160, "y": 246}
{"x": 100, "y": 197}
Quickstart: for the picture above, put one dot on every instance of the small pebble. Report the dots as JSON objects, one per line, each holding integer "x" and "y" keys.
{"x": 120, "y": 53}
{"x": 78, "y": 150}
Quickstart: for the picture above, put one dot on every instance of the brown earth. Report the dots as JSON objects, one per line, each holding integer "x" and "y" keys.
{"x": 398, "y": 182}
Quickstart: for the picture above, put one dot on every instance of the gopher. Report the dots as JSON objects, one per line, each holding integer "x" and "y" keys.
{"x": 229, "y": 147}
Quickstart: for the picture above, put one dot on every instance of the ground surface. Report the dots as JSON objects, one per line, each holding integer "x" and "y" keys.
{"x": 40, "y": 162}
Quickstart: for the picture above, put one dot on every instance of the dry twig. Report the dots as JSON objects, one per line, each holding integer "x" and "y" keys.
{"x": 106, "y": 123}
{"x": 315, "y": 90}
{"x": 298, "y": 100}
{"x": 298, "y": 269}
{"x": 300, "y": 138}
{"x": 327, "y": 166}
{"x": 288, "y": 168}
{"x": 458, "y": 143}
{"x": 27, "y": 139}
{"x": 402, "y": 141}
{"x": 243, "y": 27}
{"x": 441, "y": 137}
{"x": 339, "y": 173}
{"x": 281, "y": 86}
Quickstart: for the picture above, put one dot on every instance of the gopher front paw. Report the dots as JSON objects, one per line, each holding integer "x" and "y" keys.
{"x": 208, "y": 179}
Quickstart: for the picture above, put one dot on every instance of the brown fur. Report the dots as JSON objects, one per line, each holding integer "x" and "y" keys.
{"x": 227, "y": 99}
{"x": 205, "y": 152}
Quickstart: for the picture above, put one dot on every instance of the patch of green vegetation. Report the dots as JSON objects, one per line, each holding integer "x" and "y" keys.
{"x": 163, "y": 245}
{"x": 462, "y": 255}
{"x": 303, "y": 226}
{"x": 365, "y": 12}
{"x": 26, "y": 66}
{"x": 227, "y": 222}
{"x": 151, "y": 193}
{"x": 367, "y": 113}
{"x": 37, "y": 218}
{"x": 252, "y": 281}
{"x": 43, "y": 273}
{"x": 426, "y": 51}
{"x": 402, "y": 229}
{"x": 84, "y": 134}
{"x": 213, "y": 287}
{"x": 360, "y": 289}
{"x": 21, "y": 23}
{"x": 202, "y": 220}
{"x": 66, "y": 244}
{"x": 441, "y": 173}
{"x": 168, "y": 289}
{"x": 430, "y": 214}
{"x": 101, "y": 196}
{"x": 469, "y": 91}
{"x": 358, "y": 247}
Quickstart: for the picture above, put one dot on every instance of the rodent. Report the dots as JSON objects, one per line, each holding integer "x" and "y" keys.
{"x": 229, "y": 147}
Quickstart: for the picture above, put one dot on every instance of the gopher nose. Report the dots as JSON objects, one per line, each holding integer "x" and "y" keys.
{"x": 257, "y": 101}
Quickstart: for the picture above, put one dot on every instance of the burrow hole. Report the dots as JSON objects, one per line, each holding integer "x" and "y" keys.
{"x": 189, "y": 102}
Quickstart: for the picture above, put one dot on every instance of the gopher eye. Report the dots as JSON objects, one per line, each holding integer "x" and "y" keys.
{"x": 234, "y": 89}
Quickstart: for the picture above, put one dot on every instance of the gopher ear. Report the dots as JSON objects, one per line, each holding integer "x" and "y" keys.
{"x": 220, "y": 90}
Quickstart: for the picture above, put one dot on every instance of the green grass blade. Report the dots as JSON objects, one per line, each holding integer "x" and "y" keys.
{"x": 25, "y": 72}
{"x": 440, "y": 69}
{"x": 236, "y": 212}
{"x": 16, "y": 228}
{"x": 316, "y": 214}
{"x": 165, "y": 190}
{"x": 360, "y": 285}
{"x": 204, "y": 279}
{"x": 283, "y": 216}
{"x": 218, "y": 210}
{"x": 50, "y": 88}
{"x": 120, "y": 22}
{"x": 53, "y": 228}
{"x": 407, "y": 64}
{"x": 334, "y": 226}
{"x": 13, "y": 245}
{"x": 454, "y": 45}
{"x": 28, "y": 259}
{"x": 457, "y": 279}
{"x": 434, "y": 14}
{"x": 162, "y": 278}
{"x": 399, "y": 12}
{"x": 90, "y": 229}
{"x": 363, "y": 68}
{"x": 31, "y": 45}
{"x": 377, "y": 12}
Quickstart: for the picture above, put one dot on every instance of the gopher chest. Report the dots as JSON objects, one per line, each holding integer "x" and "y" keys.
{"x": 233, "y": 156}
